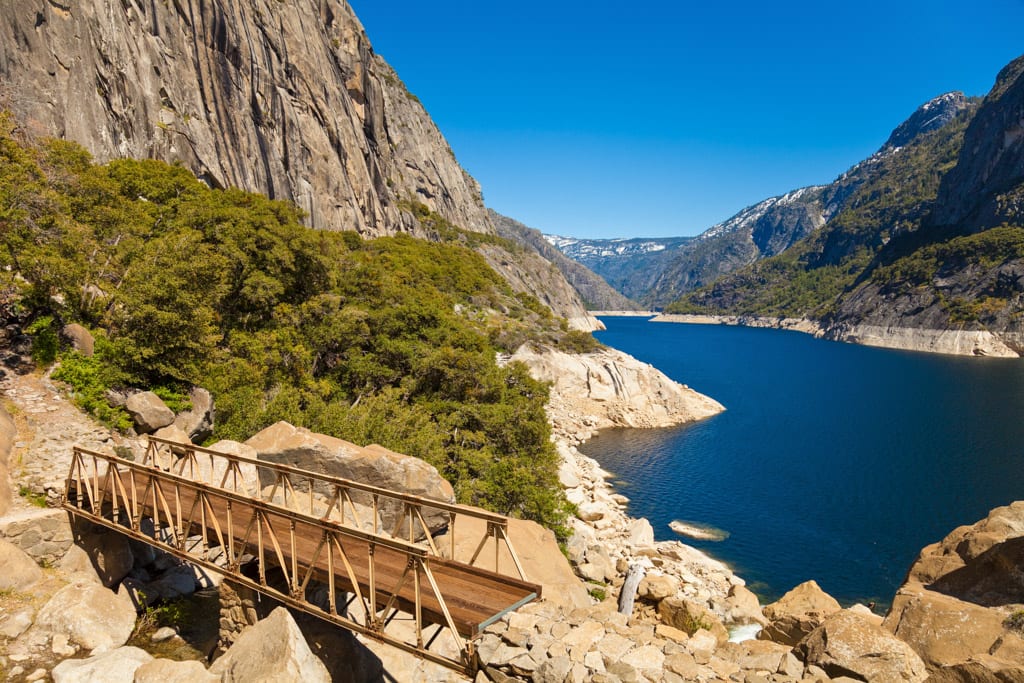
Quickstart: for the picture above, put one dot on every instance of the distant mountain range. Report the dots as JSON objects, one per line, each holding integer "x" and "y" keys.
{"x": 655, "y": 272}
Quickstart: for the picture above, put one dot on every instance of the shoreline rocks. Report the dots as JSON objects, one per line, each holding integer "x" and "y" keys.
{"x": 951, "y": 342}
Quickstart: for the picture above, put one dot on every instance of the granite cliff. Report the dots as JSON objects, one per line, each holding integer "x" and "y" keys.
{"x": 287, "y": 99}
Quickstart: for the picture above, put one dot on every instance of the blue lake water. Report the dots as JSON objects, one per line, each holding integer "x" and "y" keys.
{"x": 832, "y": 461}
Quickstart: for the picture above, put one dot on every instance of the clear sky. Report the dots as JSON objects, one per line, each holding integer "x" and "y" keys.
{"x": 660, "y": 118}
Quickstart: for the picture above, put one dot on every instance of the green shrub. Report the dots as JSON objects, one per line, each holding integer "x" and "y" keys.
{"x": 45, "y": 340}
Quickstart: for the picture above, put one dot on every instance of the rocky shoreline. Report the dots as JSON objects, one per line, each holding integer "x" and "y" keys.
{"x": 951, "y": 342}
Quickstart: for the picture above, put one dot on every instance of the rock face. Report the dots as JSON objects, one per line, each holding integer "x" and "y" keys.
{"x": 953, "y": 606}
{"x": 595, "y": 292}
{"x": 148, "y": 411}
{"x": 614, "y": 389}
{"x": 375, "y": 465}
{"x": 285, "y": 99}
{"x": 271, "y": 650}
{"x": 797, "y": 613}
{"x": 845, "y": 644}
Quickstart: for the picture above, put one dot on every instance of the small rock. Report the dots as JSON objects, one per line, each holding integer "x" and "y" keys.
{"x": 162, "y": 634}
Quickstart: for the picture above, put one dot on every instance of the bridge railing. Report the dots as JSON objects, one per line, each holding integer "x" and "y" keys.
{"x": 350, "y": 503}
{"x": 196, "y": 521}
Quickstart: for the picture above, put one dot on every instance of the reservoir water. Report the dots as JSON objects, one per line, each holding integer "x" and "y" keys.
{"x": 832, "y": 461}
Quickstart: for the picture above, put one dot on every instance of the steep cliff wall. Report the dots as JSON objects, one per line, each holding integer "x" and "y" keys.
{"x": 281, "y": 97}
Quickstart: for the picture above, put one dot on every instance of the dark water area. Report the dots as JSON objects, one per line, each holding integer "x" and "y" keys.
{"x": 832, "y": 461}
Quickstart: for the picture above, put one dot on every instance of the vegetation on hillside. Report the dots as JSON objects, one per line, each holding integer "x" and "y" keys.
{"x": 391, "y": 341}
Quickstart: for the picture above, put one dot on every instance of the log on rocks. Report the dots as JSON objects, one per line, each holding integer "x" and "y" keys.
{"x": 628, "y": 593}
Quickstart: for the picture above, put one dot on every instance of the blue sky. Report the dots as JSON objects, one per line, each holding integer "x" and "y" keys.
{"x": 656, "y": 118}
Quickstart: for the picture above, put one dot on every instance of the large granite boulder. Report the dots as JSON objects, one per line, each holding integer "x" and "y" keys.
{"x": 44, "y": 533}
{"x": 271, "y": 650}
{"x": 8, "y": 432}
{"x": 793, "y": 616}
{"x": 90, "y": 615}
{"x": 847, "y": 644}
{"x": 374, "y": 465}
{"x": 115, "y": 666}
{"x": 537, "y": 550}
{"x": 198, "y": 421}
{"x": 954, "y": 606}
{"x": 18, "y": 571}
{"x": 81, "y": 339}
{"x": 148, "y": 411}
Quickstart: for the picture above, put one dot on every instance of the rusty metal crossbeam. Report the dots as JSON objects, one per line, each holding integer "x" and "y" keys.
{"x": 199, "y": 522}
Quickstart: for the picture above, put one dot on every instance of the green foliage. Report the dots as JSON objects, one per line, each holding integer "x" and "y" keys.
{"x": 89, "y": 378}
{"x": 36, "y": 499}
{"x": 577, "y": 341}
{"x": 599, "y": 593}
{"x": 1015, "y": 622}
{"x": 45, "y": 339}
{"x": 390, "y": 341}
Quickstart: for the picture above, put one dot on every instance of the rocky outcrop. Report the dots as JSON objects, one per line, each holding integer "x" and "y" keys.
{"x": 846, "y": 644}
{"x": 954, "y": 606}
{"x": 797, "y": 613}
{"x": 610, "y": 388}
{"x": 271, "y": 650}
{"x": 288, "y": 100}
{"x": 898, "y": 335}
{"x": 374, "y": 465}
{"x": 148, "y": 411}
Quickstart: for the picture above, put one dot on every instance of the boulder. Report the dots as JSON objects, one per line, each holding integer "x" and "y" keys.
{"x": 8, "y": 434}
{"x": 690, "y": 617}
{"x": 148, "y": 411}
{"x": 793, "y": 616}
{"x": 640, "y": 533}
{"x": 985, "y": 671}
{"x": 846, "y": 644}
{"x": 743, "y": 607}
{"x": 80, "y": 339}
{"x": 167, "y": 671}
{"x": 942, "y": 629}
{"x": 198, "y": 421}
{"x": 537, "y": 550}
{"x": 656, "y": 587}
{"x": 92, "y": 616}
{"x": 173, "y": 432}
{"x": 271, "y": 650}
{"x": 958, "y": 593}
{"x": 374, "y": 465}
{"x": 115, "y": 666}
{"x": 18, "y": 571}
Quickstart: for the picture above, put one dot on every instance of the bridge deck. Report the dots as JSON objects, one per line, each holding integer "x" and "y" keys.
{"x": 385, "y": 574}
